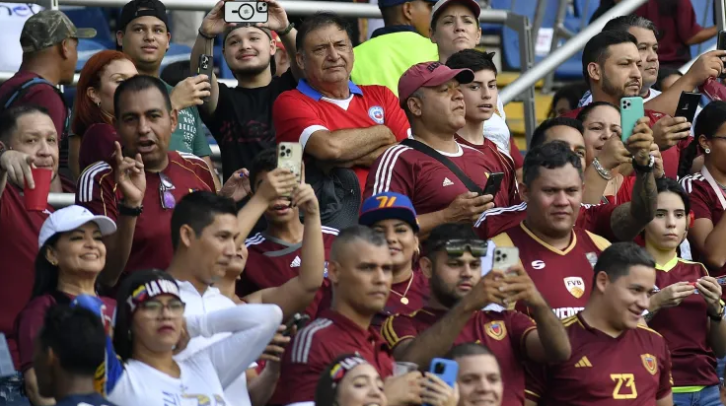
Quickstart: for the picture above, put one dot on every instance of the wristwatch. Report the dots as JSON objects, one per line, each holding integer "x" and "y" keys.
{"x": 720, "y": 315}
{"x": 125, "y": 210}
{"x": 644, "y": 168}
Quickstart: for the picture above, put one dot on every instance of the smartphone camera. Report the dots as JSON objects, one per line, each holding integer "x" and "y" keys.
{"x": 626, "y": 104}
{"x": 500, "y": 257}
{"x": 439, "y": 369}
{"x": 285, "y": 152}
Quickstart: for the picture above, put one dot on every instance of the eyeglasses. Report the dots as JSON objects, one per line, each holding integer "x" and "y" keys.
{"x": 168, "y": 201}
{"x": 457, "y": 248}
{"x": 155, "y": 308}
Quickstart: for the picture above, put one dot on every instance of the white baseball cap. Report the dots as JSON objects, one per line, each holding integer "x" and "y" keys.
{"x": 69, "y": 219}
{"x": 440, "y": 5}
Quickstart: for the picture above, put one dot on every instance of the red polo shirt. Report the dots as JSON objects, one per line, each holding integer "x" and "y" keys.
{"x": 298, "y": 113}
{"x": 317, "y": 345}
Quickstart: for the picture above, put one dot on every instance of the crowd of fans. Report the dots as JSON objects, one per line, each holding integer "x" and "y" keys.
{"x": 162, "y": 286}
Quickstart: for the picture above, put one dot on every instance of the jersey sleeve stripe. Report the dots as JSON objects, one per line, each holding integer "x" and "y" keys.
{"x": 189, "y": 156}
{"x": 301, "y": 350}
{"x": 87, "y": 181}
{"x": 499, "y": 210}
{"x": 329, "y": 230}
{"x": 386, "y": 167}
{"x": 254, "y": 240}
{"x": 529, "y": 392}
{"x": 308, "y": 132}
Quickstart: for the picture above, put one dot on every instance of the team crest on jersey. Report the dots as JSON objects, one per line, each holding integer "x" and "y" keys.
{"x": 575, "y": 285}
{"x": 591, "y": 258}
{"x": 376, "y": 114}
{"x": 650, "y": 363}
{"x": 496, "y": 330}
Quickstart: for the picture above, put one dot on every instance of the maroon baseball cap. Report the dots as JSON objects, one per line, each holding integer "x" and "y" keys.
{"x": 441, "y": 5}
{"x": 429, "y": 74}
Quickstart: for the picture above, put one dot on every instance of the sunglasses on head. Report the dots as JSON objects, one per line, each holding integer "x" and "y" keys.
{"x": 457, "y": 248}
{"x": 168, "y": 201}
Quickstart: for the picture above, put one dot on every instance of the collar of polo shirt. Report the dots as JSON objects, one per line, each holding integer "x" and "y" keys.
{"x": 304, "y": 87}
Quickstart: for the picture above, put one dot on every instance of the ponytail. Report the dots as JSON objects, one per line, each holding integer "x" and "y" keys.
{"x": 711, "y": 118}
{"x": 685, "y": 162}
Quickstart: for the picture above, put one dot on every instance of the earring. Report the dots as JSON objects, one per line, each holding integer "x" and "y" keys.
{"x": 707, "y": 150}
{"x": 54, "y": 263}
{"x": 98, "y": 104}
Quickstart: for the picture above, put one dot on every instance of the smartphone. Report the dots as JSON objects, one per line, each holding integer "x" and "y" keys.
{"x": 205, "y": 67}
{"x": 505, "y": 257}
{"x": 445, "y": 369}
{"x": 289, "y": 156}
{"x": 6, "y": 360}
{"x": 298, "y": 320}
{"x": 493, "y": 183}
{"x": 721, "y": 46}
{"x": 631, "y": 110}
{"x": 687, "y": 105}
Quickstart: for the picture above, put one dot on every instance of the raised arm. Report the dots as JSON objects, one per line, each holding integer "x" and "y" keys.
{"x": 212, "y": 25}
{"x": 612, "y": 155}
{"x": 279, "y": 182}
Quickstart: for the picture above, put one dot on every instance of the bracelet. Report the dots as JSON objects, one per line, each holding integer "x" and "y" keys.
{"x": 125, "y": 210}
{"x": 720, "y": 315}
{"x": 203, "y": 35}
{"x": 604, "y": 173}
{"x": 644, "y": 168}
{"x": 287, "y": 30}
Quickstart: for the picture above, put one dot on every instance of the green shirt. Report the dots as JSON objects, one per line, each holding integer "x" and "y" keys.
{"x": 189, "y": 135}
{"x": 383, "y": 59}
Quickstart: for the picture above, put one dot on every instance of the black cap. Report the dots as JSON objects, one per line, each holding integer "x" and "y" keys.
{"x": 142, "y": 8}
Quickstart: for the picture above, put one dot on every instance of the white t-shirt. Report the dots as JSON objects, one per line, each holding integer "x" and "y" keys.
{"x": 197, "y": 305}
{"x": 496, "y": 130}
{"x": 206, "y": 373}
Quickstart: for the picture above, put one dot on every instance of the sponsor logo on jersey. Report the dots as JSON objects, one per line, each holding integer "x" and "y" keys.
{"x": 650, "y": 363}
{"x": 296, "y": 262}
{"x": 447, "y": 182}
{"x": 583, "y": 363}
{"x": 565, "y": 312}
{"x": 591, "y": 258}
{"x": 376, "y": 114}
{"x": 538, "y": 264}
{"x": 496, "y": 330}
{"x": 575, "y": 285}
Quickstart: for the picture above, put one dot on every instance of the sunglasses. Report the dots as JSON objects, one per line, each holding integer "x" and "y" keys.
{"x": 168, "y": 201}
{"x": 457, "y": 248}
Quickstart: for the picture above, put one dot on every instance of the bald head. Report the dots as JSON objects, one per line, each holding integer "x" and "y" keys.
{"x": 346, "y": 239}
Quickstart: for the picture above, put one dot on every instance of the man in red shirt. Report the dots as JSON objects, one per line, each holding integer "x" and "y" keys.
{"x": 615, "y": 359}
{"x": 611, "y": 63}
{"x": 453, "y": 315}
{"x": 431, "y": 95}
{"x": 337, "y": 123}
{"x": 275, "y": 254}
{"x": 50, "y": 53}
{"x": 28, "y": 138}
{"x": 140, "y": 186}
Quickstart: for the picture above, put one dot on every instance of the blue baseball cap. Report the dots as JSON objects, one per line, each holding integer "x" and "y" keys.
{"x": 391, "y": 3}
{"x": 387, "y": 206}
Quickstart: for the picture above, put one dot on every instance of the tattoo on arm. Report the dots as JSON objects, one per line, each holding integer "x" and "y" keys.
{"x": 629, "y": 219}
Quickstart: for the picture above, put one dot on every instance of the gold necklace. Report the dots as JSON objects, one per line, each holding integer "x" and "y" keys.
{"x": 404, "y": 299}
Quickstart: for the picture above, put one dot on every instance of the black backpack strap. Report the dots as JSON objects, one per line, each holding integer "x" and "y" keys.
{"x": 21, "y": 90}
{"x": 425, "y": 149}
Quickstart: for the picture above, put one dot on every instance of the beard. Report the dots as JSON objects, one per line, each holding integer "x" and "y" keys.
{"x": 611, "y": 89}
{"x": 445, "y": 295}
{"x": 251, "y": 70}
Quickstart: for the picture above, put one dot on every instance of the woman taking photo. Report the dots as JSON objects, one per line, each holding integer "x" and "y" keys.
{"x": 687, "y": 310}
{"x": 150, "y": 327}
{"x": 70, "y": 258}
{"x": 93, "y": 118}
{"x": 393, "y": 215}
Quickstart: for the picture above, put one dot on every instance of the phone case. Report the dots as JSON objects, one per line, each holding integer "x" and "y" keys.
{"x": 289, "y": 156}
{"x": 494, "y": 183}
{"x": 445, "y": 369}
{"x": 631, "y": 110}
{"x": 687, "y": 105}
{"x": 505, "y": 257}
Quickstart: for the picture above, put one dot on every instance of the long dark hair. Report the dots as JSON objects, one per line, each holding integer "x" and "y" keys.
{"x": 46, "y": 274}
{"x": 122, "y": 340}
{"x": 711, "y": 118}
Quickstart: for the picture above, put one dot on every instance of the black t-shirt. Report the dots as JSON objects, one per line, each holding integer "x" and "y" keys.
{"x": 92, "y": 399}
{"x": 242, "y": 123}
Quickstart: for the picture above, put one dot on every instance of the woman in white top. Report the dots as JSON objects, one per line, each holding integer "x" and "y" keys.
{"x": 150, "y": 324}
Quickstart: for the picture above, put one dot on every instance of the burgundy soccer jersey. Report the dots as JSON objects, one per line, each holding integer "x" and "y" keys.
{"x": 97, "y": 144}
{"x": 592, "y": 217}
{"x": 31, "y": 320}
{"x": 272, "y": 262}
{"x": 41, "y": 95}
{"x": 298, "y": 113}
{"x": 685, "y": 327}
{"x": 313, "y": 348}
{"x": 705, "y": 204}
{"x": 563, "y": 277}
{"x": 502, "y": 332}
{"x": 429, "y": 184}
{"x": 631, "y": 369}
{"x": 18, "y": 249}
{"x": 98, "y": 192}
{"x": 406, "y": 297}
{"x": 498, "y": 162}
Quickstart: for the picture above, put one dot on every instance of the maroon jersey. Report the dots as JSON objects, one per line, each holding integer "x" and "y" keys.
{"x": 429, "y": 184}
{"x": 631, "y": 369}
{"x": 498, "y": 162}
{"x": 18, "y": 249}
{"x": 563, "y": 277}
{"x": 98, "y": 192}
{"x": 502, "y": 332}
{"x": 32, "y": 318}
{"x": 592, "y": 217}
{"x": 685, "y": 327}
{"x": 416, "y": 292}
{"x": 272, "y": 262}
{"x": 313, "y": 348}
{"x": 705, "y": 204}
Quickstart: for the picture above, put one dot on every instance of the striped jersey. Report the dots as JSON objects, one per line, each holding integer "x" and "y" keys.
{"x": 98, "y": 192}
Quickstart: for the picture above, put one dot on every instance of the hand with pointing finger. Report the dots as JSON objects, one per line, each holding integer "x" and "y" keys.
{"x": 130, "y": 177}
{"x": 18, "y": 167}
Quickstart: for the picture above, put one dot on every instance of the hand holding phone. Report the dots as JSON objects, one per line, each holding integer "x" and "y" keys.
{"x": 494, "y": 183}
{"x": 296, "y": 323}
{"x": 289, "y": 156}
{"x": 631, "y": 110}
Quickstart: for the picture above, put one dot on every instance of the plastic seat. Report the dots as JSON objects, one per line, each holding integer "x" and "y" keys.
{"x": 510, "y": 38}
{"x": 704, "y": 16}
{"x": 92, "y": 17}
{"x": 496, "y": 29}
{"x": 176, "y": 53}
{"x": 86, "y": 49}
{"x": 580, "y": 8}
